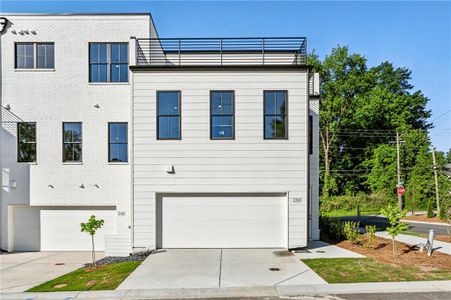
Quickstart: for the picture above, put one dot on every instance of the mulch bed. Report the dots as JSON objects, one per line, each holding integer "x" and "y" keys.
{"x": 424, "y": 218}
{"x": 407, "y": 255}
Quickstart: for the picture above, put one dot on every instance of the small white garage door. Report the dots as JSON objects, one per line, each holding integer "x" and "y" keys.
{"x": 60, "y": 229}
{"x": 222, "y": 221}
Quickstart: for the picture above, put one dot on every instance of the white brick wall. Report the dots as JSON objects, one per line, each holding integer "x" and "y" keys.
{"x": 54, "y": 96}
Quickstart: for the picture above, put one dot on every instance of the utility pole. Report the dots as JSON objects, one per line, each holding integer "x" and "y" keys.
{"x": 435, "y": 167}
{"x": 398, "y": 171}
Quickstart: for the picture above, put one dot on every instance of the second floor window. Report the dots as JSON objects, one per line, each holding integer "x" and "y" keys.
{"x": 276, "y": 115}
{"x": 117, "y": 142}
{"x": 168, "y": 115}
{"x": 108, "y": 62}
{"x": 35, "y": 56}
{"x": 72, "y": 142}
{"x": 222, "y": 115}
{"x": 26, "y": 142}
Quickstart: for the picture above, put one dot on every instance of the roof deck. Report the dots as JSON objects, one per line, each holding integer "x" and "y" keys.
{"x": 268, "y": 51}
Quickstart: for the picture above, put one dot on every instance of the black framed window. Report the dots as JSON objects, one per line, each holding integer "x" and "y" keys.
{"x": 168, "y": 115}
{"x": 108, "y": 62}
{"x": 35, "y": 56}
{"x": 222, "y": 119}
{"x": 118, "y": 142}
{"x": 72, "y": 142}
{"x": 275, "y": 114}
{"x": 26, "y": 142}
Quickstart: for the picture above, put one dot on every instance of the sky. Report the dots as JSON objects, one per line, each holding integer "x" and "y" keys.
{"x": 411, "y": 34}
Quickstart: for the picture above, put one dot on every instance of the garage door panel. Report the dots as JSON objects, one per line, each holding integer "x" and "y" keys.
{"x": 60, "y": 229}
{"x": 203, "y": 221}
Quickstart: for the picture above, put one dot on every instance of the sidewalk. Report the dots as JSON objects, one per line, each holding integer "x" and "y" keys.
{"x": 270, "y": 291}
{"x": 439, "y": 246}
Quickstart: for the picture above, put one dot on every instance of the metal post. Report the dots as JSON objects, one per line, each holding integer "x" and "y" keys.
{"x": 437, "y": 196}
{"x": 179, "y": 52}
{"x": 398, "y": 171}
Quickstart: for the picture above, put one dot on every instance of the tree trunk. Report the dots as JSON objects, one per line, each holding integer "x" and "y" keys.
{"x": 394, "y": 247}
{"x": 93, "y": 254}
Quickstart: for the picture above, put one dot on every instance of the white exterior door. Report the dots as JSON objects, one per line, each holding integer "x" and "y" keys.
{"x": 222, "y": 221}
{"x": 60, "y": 229}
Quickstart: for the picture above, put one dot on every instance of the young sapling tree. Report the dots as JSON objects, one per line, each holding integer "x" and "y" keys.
{"x": 91, "y": 228}
{"x": 396, "y": 227}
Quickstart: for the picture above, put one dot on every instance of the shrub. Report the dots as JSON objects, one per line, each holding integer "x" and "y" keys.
{"x": 351, "y": 230}
{"x": 396, "y": 227}
{"x": 332, "y": 229}
{"x": 370, "y": 236}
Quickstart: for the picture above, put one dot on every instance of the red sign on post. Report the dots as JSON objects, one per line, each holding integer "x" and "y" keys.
{"x": 401, "y": 190}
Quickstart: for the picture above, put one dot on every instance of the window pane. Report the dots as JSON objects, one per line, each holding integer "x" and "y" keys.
{"x": 50, "y": 52}
{"x": 281, "y": 103}
{"x": 124, "y": 53}
{"x": 94, "y": 73}
{"x": 168, "y": 128}
{"x": 76, "y": 135}
{"x": 103, "y": 73}
{"x": 168, "y": 103}
{"x": 94, "y": 53}
{"x": 20, "y": 56}
{"x": 124, "y": 72}
{"x": 118, "y": 153}
{"x": 41, "y": 55}
{"x": 115, "y": 53}
{"x": 27, "y": 152}
{"x": 103, "y": 53}
{"x": 222, "y": 103}
{"x": 27, "y": 132}
{"x": 222, "y": 127}
{"x": 270, "y": 103}
{"x": 68, "y": 152}
{"x": 274, "y": 127}
{"x": 67, "y": 132}
{"x": 118, "y": 133}
{"x": 77, "y": 152}
{"x": 115, "y": 73}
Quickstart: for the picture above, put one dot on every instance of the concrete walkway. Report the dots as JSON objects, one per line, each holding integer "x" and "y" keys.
{"x": 280, "y": 291}
{"x": 439, "y": 246}
{"x": 320, "y": 249}
{"x": 214, "y": 268}
{"x": 23, "y": 270}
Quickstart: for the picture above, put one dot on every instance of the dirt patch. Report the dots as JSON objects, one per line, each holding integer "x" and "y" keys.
{"x": 283, "y": 253}
{"x": 424, "y": 218}
{"x": 443, "y": 238}
{"x": 408, "y": 256}
{"x": 91, "y": 283}
{"x": 60, "y": 286}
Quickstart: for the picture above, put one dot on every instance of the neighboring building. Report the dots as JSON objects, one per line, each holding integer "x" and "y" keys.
{"x": 175, "y": 143}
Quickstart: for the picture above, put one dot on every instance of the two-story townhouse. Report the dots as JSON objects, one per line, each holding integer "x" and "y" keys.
{"x": 175, "y": 143}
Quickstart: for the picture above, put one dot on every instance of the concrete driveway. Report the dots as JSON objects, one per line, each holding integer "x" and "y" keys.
{"x": 212, "y": 268}
{"x": 23, "y": 270}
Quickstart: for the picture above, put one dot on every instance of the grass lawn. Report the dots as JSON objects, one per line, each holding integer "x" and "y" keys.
{"x": 104, "y": 277}
{"x": 348, "y": 270}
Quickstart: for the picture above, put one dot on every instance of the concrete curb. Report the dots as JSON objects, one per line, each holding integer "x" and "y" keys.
{"x": 245, "y": 292}
{"x": 427, "y": 223}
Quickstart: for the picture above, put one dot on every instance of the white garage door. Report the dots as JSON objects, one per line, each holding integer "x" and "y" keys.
{"x": 60, "y": 229}
{"x": 218, "y": 221}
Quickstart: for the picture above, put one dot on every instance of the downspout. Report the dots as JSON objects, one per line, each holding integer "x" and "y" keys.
{"x": 309, "y": 213}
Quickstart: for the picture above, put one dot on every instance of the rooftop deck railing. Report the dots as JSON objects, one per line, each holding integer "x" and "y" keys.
{"x": 221, "y": 51}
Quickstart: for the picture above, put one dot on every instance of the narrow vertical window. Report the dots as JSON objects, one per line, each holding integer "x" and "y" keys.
{"x": 72, "y": 142}
{"x": 275, "y": 115}
{"x": 108, "y": 62}
{"x": 168, "y": 115}
{"x": 117, "y": 142}
{"x": 222, "y": 109}
{"x": 26, "y": 142}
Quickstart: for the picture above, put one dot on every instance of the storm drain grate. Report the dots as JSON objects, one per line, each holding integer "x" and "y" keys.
{"x": 274, "y": 269}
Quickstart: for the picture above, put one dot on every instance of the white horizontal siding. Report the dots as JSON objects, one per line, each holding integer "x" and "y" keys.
{"x": 247, "y": 164}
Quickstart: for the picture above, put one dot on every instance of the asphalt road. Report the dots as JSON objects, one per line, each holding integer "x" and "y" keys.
{"x": 382, "y": 222}
{"x": 379, "y": 296}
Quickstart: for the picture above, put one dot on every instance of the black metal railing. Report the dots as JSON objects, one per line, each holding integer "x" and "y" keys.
{"x": 221, "y": 51}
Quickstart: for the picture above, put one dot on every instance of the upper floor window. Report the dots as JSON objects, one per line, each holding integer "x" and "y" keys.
{"x": 168, "y": 115}
{"x": 72, "y": 142}
{"x": 117, "y": 142}
{"x": 276, "y": 115}
{"x": 26, "y": 142}
{"x": 108, "y": 62}
{"x": 35, "y": 55}
{"x": 222, "y": 115}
